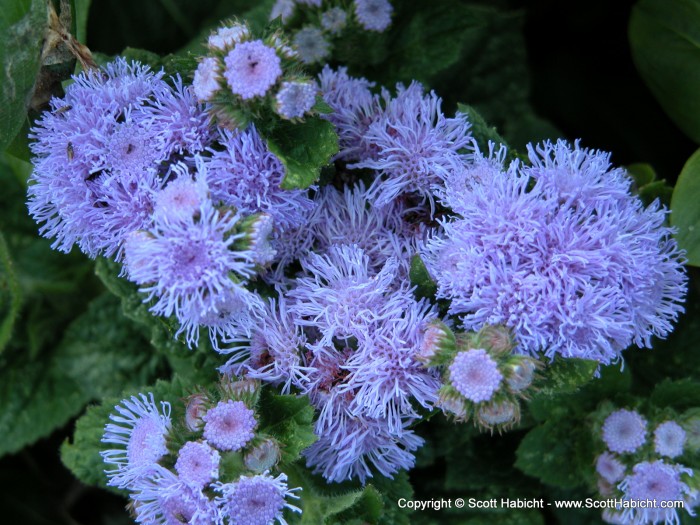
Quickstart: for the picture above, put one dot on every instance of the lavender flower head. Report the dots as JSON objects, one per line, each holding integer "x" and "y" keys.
{"x": 227, "y": 37}
{"x": 657, "y": 481}
{"x": 669, "y": 439}
{"x": 139, "y": 429}
{"x": 197, "y": 464}
{"x": 164, "y": 499}
{"x": 252, "y": 68}
{"x": 283, "y": 9}
{"x": 475, "y": 375}
{"x": 246, "y": 175}
{"x": 311, "y": 45}
{"x": 373, "y": 15}
{"x": 207, "y": 79}
{"x": 624, "y": 431}
{"x": 230, "y": 425}
{"x": 334, "y": 20}
{"x": 609, "y": 468}
{"x": 413, "y": 145}
{"x": 581, "y": 271}
{"x": 295, "y": 99}
{"x": 256, "y": 500}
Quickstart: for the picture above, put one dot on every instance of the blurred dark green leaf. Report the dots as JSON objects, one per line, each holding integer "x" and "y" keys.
{"x": 664, "y": 37}
{"x": 685, "y": 212}
{"x": 290, "y": 420}
{"x": 22, "y": 24}
{"x": 10, "y": 294}
{"x": 420, "y": 278}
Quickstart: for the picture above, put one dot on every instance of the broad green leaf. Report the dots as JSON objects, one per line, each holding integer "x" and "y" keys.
{"x": 303, "y": 149}
{"x": 36, "y": 398}
{"x": 685, "y": 212}
{"x": 420, "y": 278}
{"x": 105, "y": 353}
{"x": 22, "y": 24}
{"x": 10, "y": 294}
{"x": 319, "y": 508}
{"x": 82, "y": 454}
{"x": 664, "y": 38}
{"x": 553, "y": 453}
{"x": 678, "y": 395}
{"x": 480, "y": 130}
{"x": 81, "y": 10}
{"x": 290, "y": 420}
{"x": 566, "y": 375}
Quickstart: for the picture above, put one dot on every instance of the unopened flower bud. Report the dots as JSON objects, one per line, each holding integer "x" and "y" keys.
{"x": 497, "y": 338}
{"x": 263, "y": 456}
{"x": 691, "y": 425}
{"x": 454, "y": 406}
{"x": 498, "y": 413}
{"x": 243, "y": 389}
{"x": 258, "y": 229}
{"x": 438, "y": 346}
{"x": 520, "y": 371}
{"x": 227, "y": 37}
{"x": 195, "y": 409}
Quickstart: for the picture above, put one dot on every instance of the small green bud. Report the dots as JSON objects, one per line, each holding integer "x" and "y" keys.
{"x": 500, "y": 414}
{"x": 438, "y": 346}
{"x": 263, "y": 456}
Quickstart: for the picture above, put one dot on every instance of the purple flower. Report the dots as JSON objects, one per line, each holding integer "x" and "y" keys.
{"x": 185, "y": 266}
{"x": 373, "y": 15}
{"x": 334, "y": 20}
{"x": 163, "y": 499}
{"x": 283, "y": 9}
{"x": 182, "y": 198}
{"x": 197, "y": 464}
{"x": 354, "y": 109}
{"x": 475, "y": 375}
{"x": 576, "y": 272}
{"x": 246, "y": 175}
{"x": 206, "y": 79}
{"x": 384, "y": 378}
{"x": 350, "y": 218}
{"x": 252, "y": 68}
{"x": 342, "y": 297}
{"x": 295, "y": 99}
{"x": 349, "y": 445}
{"x": 609, "y": 467}
{"x": 669, "y": 439}
{"x": 230, "y": 425}
{"x": 311, "y": 45}
{"x": 273, "y": 354}
{"x": 624, "y": 431}
{"x": 413, "y": 145}
{"x": 177, "y": 123}
{"x": 256, "y": 500}
{"x": 226, "y": 37}
{"x": 659, "y": 482}
{"x": 139, "y": 429}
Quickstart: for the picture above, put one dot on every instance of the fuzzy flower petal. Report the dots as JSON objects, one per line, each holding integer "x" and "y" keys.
{"x": 252, "y": 68}
{"x": 475, "y": 375}
{"x": 230, "y": 425}
{"x": 624, "y": 431}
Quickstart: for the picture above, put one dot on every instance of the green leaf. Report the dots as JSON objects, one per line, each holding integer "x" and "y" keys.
{"x": 22, "y": 24}
{"x": 290, "y": 420}
{"x": 685, "y": 212}
{"x": 318, "y": 508}
{"x": 81, "y": 9}
{"x": 82, "y": 454}
{"x": 10, "y": 294}
{"x": 420, "y": 278}
{"x": 678, "y": 395}
{"x": 105, "y": 353}
{"x": 664, "y": 37}
{"x": 480, "y": 130}
{"x": 567, "y": 375}
{"x": 552, "y": 453}
{"x": 303, "y": 149}
{"x": 36, "y": 398}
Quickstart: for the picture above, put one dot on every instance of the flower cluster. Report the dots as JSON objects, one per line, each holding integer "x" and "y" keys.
{"x": 405, "y": 139}
{"x": 131, "y": 167}
{"x": 187, "y": 471}
{"x": 243, "y": 77}
{"x": 104, "y": 151}
{"x": 638, "y": 465}
{"x": 323, "y": 26}
{"x": 482, "y": 379}
{"x": 559, "y": 250}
